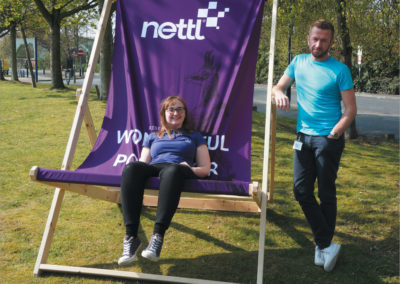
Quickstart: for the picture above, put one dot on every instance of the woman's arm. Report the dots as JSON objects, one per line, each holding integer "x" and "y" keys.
{"x": 145, "y": 155}
{"x": 203, "y": 162}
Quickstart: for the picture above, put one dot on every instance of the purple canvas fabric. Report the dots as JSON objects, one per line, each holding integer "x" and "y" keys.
{"x": 195, "y": 185}
{"x": 203, "y": 51}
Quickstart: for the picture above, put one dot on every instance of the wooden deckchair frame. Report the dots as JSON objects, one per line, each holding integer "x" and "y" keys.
{"x": 256, "y": 202}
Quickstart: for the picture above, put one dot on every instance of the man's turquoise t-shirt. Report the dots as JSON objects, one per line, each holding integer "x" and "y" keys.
{"x": 318, "y": 87}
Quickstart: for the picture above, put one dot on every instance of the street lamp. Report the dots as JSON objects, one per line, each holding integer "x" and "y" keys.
{"x": 359, "y": 56}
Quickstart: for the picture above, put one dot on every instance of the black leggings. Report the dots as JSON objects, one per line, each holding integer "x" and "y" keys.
{"x": 134, "y": 176}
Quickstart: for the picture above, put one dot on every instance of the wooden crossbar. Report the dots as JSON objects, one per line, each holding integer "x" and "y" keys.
{"x": 125, "y": 274}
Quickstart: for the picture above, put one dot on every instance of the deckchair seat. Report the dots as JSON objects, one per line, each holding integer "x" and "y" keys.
{"x": 207, "y": 186}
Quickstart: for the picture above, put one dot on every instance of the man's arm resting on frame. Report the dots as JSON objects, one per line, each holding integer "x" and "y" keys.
{"x": 281, "y": 100}
{"x": 350, "y": 111}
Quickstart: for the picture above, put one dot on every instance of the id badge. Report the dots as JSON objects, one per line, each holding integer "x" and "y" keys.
{"x": 297, "y": 145}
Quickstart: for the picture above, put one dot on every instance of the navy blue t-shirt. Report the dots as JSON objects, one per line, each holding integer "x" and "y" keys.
{"x": 179, "y": 148}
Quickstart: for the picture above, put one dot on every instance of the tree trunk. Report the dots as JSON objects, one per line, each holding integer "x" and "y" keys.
{"x": 106, "y": 56}
{"x": 29, "y": 58}
{"x": 54, "y": 18}
{"x": 1, "y": 71}
{"x": 346, "y": 51}
{"x": 13, "y": 38}
{"x": 55, "y": 57}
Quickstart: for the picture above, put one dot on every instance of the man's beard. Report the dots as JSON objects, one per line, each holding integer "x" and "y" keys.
{"x": 321, "y": 54}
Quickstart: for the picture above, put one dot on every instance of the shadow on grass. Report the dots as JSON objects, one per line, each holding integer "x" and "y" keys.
{"x": 369, "y": 256}
{"x": 59, "y": 96}
{"x": 361, "y": 261}
{"x": 288, "y": 225}
{"x": 280, "y": 266}
{"x": 197, "y": 233}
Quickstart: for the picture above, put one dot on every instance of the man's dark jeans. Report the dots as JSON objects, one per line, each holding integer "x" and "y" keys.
{"x": 318, "y": 159}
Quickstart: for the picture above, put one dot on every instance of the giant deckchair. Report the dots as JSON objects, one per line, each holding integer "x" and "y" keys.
{"x": 206, "y": 52}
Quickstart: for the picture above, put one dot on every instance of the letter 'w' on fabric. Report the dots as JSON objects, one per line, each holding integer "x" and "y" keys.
{"x": 205, "y": 52}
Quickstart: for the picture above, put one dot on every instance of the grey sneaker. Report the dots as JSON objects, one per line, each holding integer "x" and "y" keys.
{"x": 330, "y": 255}
{"x": 153, "y": 250}
{"x": 131, "y": 247}
{"x": 319, "y": 257}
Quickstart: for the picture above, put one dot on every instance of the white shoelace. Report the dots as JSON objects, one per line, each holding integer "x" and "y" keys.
{"x": 155, "y": 244}
{"x": 127, "y": 245}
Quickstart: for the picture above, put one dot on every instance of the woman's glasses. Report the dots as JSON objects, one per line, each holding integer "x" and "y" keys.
{"x": 179, "y": 110}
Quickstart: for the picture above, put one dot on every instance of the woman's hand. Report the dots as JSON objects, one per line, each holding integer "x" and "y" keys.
{"x": 202, "y": 160}
{"x": 185, "y": 164}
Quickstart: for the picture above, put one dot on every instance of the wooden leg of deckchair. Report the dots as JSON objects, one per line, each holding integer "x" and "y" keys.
{"x": 73, "y": 138}
{"x": 88, "y": 120}
{"x": 261, "y": 245}
{"x": 272, "y": 158}
{"x": 49, "y": 230}
{"x": 264, "y": 195}
{"x": 255, "y": 193}
{"x": 127, "y": 275}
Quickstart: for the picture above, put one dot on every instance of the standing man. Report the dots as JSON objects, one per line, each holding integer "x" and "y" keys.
{"x": 322, "y": 83}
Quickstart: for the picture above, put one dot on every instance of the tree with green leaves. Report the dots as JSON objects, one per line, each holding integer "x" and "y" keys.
{"x": 374, "y": 26}
{"x": 19, "y": 16}
{"x": 12, "y": 14}
{"x": 54, "y": 12}
{"x": 4, "y": 30}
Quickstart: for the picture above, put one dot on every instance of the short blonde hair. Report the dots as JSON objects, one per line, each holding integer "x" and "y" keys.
{"x": 324, "y": 25}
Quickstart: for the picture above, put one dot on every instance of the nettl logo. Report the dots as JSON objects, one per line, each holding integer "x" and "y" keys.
{"x": 186, "y": 28}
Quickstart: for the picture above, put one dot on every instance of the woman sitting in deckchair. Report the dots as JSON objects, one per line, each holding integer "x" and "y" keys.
{"x": 171, "y": 154}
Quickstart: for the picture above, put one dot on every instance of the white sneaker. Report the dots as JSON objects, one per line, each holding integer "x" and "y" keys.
{"x": 129, "y": 253}
{"x": 319, "y": 257}
{"x": 153, "y": 250}
{"x": 330, "y": 255}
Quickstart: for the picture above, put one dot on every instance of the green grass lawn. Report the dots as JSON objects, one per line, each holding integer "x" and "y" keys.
{"x": 34, "y": 129}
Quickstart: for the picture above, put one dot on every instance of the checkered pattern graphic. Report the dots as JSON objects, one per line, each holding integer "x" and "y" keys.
{"x": 211, "y": 14}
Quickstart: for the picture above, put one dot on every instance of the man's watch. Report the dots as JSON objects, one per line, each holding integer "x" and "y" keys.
{"x": 335, "y": 135}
